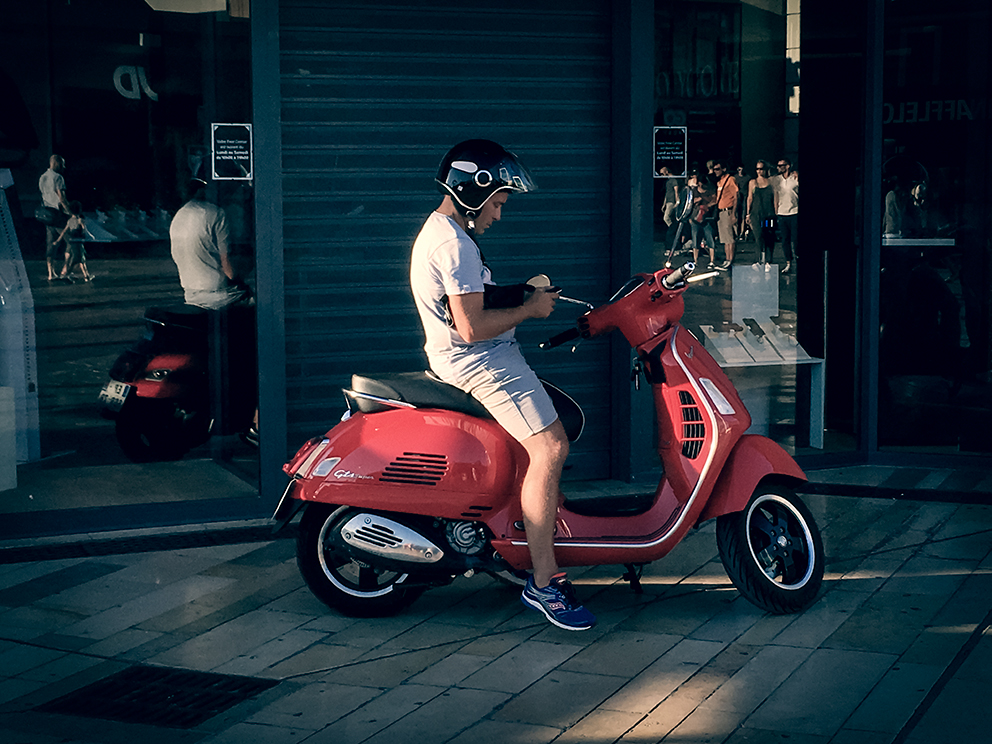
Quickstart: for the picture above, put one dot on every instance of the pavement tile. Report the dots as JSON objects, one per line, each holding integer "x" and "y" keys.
{"x": 258, "y": 733}
{"x": 230, "y": 599}
{"x": 891, "y": 703}
{"x": 121, "y": 642}
{"x": 644, "y": 692}
{"x": 31, "y": 622}
{"x": 34, "y": 589}
{"x": 384, "y": 672}
{"x": 758, "y": 736}
{"x": 705, "y": 725}
{"x": 450, "y": 670}
{"x": 13, "y": 574}
{"x": 688, "y": 659}
{"x": 315, "y": 705}
{"x": 302, "y": 601}
{"x": 430, "y": 633}
{"x": 622, "y": 653}
{"x": 959, "y": 714}
{"x": 925, "y": 574}
{"x": 811, "y": 628}
{"x": 317, "y": 659}
{"x": 822, "y": 693}
{"x": 575, "y": 696}
{"x": 441, "y": 718}
{"x": 757, "y": 679}
{"x": 599, "y": 726}
{"x": 233, "y": 639}
{"x": 887, "y": 622}
{"x": 11, "y": 689}
{"x": 380, "y": 712}
{"x": 506, "y": 732}
{"x": 678, "y": 613}
{"x": 498, "y": 643}
{"x": 134, "y": 611}
{"x": 270, "y": 653}
{"x": 521, "y": 666}
{"x": 852, "y": 736}
{"x": 736, "y": 620}
{"x": 16, "y": 661}
{"x": 59, "y": 669}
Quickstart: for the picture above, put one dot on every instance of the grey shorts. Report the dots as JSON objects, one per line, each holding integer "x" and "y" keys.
{"x": 509, "y": 389}
{"x": 726, "y": 223}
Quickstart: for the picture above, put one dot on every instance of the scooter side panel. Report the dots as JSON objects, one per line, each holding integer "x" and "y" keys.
{"x": 422, "y": 461}
{"x": 753, "y": 459}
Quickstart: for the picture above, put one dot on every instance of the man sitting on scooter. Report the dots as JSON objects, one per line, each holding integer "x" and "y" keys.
{"x": 472, "y": 346}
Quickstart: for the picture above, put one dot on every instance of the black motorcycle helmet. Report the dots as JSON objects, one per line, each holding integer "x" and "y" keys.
{"x": 474, "y": 170}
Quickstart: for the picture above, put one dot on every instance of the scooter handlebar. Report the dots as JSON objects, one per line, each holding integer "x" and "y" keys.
{"x": 671, "y": 281}
{"x": 562, "y": 338}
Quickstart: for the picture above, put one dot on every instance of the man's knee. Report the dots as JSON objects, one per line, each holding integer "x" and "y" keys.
{"x": 550, "y": 444}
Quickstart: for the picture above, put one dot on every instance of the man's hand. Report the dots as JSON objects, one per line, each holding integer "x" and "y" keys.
{"x": 541, "y": 303}
{"x": 476, "y": 323}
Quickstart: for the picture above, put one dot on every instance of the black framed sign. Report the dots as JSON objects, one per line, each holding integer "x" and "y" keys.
{"x": 231, "y": 152}
{"x": 670, "y": 145}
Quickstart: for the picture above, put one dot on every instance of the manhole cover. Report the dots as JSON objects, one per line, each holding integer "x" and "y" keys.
{"x": 157, "y": 696}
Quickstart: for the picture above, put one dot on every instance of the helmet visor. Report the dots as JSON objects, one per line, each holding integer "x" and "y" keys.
{"x": 511, "y": 175}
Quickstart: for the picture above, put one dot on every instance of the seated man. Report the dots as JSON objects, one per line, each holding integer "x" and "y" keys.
{"x": 472, "y": 347}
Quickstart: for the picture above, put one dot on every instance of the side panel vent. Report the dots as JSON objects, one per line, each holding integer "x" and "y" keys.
{"x": 693, "y": 427}
{"x": 416, "y": 468}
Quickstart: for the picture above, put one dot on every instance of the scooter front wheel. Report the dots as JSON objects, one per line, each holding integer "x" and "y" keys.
{"x": 772, "y": 551}
{"x": 352, "y": 587}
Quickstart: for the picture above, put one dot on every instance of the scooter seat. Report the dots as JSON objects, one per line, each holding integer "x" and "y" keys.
{"x": 420, "y": 389}
{"x": 424, "y": 390}
{"x": 181, "y": 316}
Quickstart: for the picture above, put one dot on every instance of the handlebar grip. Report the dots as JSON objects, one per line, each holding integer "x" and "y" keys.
{"x": 562, "y": 338}
{"x": 671, "y": 281}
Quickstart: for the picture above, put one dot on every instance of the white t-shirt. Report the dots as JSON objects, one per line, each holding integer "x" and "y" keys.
{"x": 788, "y": 194}
{"x": 446, "y": 261}
{"x": 199, "y": 233}
{"x": 50, "y": 184}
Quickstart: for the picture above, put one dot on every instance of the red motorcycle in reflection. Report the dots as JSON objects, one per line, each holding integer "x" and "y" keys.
{"x": 418, "y": 484}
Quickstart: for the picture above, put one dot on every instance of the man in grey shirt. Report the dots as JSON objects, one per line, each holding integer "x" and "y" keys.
{"x": 201, "y": 250}
{"x": 52, "y": 187}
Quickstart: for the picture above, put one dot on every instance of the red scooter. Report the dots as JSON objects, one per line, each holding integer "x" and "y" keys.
{"x": 418, "y": 484}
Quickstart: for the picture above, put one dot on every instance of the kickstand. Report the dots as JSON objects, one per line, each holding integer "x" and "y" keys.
{"x": 633, "y": 575}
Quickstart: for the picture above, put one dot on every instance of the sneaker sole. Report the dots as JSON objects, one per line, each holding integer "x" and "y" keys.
{"x": 551, "y": 618}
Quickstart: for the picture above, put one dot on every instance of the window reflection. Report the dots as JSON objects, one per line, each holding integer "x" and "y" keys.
{"x": 126, "y": 97}
{"x": 934, "y": 339}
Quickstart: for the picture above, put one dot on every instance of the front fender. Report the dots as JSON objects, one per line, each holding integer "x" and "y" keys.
{"x": 753, "y": 459}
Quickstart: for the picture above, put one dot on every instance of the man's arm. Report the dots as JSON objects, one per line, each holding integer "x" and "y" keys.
{"x": 476, "y": 323}
{"x": 222, "y": 236}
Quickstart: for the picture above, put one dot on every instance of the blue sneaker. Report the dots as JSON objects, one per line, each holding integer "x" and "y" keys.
{"x": 557, "y": 602}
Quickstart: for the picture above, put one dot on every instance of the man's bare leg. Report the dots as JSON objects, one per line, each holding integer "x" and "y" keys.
{"x": 539, "y": 497}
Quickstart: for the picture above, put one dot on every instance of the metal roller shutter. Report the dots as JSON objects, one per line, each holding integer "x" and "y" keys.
{"x": 373, "y": 94}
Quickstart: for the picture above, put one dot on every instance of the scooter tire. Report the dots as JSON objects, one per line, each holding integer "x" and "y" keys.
{"x": 773, "y": 551}
{"x": 351, "y": 587}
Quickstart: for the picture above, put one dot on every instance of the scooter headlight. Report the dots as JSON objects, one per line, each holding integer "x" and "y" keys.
{"x": 325, "y": 466}
{"x": 156, "y": 375}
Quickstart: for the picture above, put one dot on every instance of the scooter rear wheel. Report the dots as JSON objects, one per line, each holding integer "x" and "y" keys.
{"x": 352, "y": 587}
{"x": 148, "y": 431}
{"x": 772, "y": 551}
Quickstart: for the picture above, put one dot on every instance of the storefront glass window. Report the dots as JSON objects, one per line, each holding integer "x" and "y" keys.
{"x": 934, "y": 392}
{"x": 742, "y": 165}
{"x": 128, "y": 95}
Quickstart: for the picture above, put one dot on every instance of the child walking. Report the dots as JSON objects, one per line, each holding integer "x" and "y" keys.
{"x": 75, "y": 251}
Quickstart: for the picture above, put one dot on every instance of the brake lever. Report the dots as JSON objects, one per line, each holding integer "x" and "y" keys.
{"x": 585, "y": 304}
